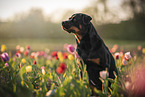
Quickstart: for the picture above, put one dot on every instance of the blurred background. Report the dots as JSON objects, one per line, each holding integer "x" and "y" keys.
{"x": 38, "y": 22}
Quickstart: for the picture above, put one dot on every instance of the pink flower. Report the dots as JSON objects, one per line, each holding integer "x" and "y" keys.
{"x": 26, "y": 52}
{"x": 28, "y": 47}
{"x": 14, "y": 59}
{"x": 76, "y": 55}
{"x": 42, "y": 53}
{"x": 42, "y": 67}
{"x": 6, "y": 64}
{"x": 32, "y": 55}
{"x": 70, "y": 48}
{"x": 4, "y": 57}
{"x": 18, "y": 55}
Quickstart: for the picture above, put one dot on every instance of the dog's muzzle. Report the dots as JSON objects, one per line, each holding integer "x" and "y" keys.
{"x": 66, "y": 25}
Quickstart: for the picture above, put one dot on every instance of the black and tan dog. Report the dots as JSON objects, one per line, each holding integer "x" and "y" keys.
{"x": 90, "y": 48}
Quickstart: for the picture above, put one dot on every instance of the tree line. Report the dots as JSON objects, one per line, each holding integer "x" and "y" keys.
{"x": 35, "y": 25}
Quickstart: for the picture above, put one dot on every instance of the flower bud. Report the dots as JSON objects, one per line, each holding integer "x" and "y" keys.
{"x": 29, "y": 68}
{"x": 70, "y": 48}
{"x": 6, "y": 64}
{"x": 127, "y": 56}
{"x": 104, "y": 74}
{"x": 3, "y": 48}
{"x": 23, "y": 61}
{"x": 70, "y": 57}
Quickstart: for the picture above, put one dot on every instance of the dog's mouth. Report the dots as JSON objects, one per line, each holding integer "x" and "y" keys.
{"x": 66, "y": 29}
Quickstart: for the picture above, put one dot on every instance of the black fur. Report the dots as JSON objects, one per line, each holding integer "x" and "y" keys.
{"x": 91, "y": 46}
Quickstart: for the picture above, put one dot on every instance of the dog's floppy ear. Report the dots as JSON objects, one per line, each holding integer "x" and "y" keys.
{"x": 86, "y": 19}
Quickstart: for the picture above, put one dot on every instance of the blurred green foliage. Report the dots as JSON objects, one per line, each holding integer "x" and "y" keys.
{"x": 132, "y": 29}
{"x": 32, "y": 25}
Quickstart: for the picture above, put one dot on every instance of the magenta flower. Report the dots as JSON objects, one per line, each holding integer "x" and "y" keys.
{"x": 6, "y": 64}
{"x": 76, "y": 55}
{"x": 4, "y": 57}
{"x": 70, "y": 48}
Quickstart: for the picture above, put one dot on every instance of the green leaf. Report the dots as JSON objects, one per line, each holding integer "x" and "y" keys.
{"x": 22, "y": 71}
{"x": 29, "y": 84}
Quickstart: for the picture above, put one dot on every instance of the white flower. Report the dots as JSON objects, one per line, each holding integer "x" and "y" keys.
{"x": 104, "y": 74}
{"x": 21, "y": 49}
{"x": 43, "y": 71}
{"x": 117, "y": 55}
{"x": 127, "y": 85}
{"x": 127, "y": 56}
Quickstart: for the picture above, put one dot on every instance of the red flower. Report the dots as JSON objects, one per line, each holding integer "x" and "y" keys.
{"x": 54, "y": 54}
{"x": 56, "y": 57}
{"x": 35, "y": 62}
{"x": 64, "y": 55}
{"x": 28, "y": 47}
{"x": 62, "y": 65}
{"x": 117, "y": 55}
{"x": 61, "y": 68}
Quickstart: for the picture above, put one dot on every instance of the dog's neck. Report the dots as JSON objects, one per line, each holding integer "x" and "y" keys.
{"x": 78, "y": 36}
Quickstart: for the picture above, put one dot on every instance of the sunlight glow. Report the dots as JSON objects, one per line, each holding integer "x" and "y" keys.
{"x": 10, "y": 7}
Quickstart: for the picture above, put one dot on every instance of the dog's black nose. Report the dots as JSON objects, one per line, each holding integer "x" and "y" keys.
{"x": 66, "y": 24}
{"x": 63, "y": 22}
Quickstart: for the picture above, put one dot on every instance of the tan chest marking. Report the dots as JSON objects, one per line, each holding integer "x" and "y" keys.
{"x": 97, "y": 60}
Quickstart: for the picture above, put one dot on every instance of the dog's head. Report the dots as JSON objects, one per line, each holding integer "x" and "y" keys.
{"x": 76, "y": 22}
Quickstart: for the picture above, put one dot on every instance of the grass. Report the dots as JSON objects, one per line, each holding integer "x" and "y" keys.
{"x": 16, "y": 80}
{"x": 57, "y": 44}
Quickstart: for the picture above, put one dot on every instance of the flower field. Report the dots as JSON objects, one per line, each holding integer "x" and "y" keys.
{"x": 28, "y": 73}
